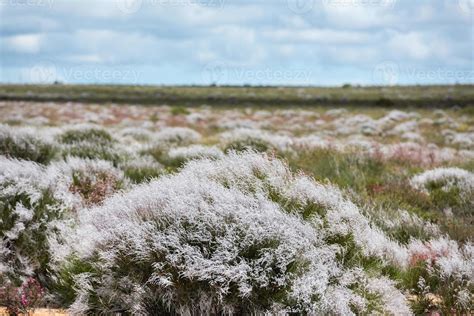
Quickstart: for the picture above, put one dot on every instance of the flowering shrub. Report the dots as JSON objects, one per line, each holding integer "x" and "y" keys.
{"x": 177, "y": 135}
{"x": 179, "y": 155}
{"x": 28, "y": 211}
{"x": 451, "y": 188}
{"x": 166, "y": 139}
{"x": 23, "y": 299}
{"x": 131, "y": 219}
{"x": 90, "y": 180}
{"x": 137, "y": 133}
{"x": 86, "y": 133}
{"x": 242, "y": 139}
{"x": 89, "y": 150}
{"x": 463, "y": 140}
{"x": 24, "y": 144}
{"x": 443, "y": 273}
{"x": 90, "y": 142}
{"x": 142, "y": 168}
{"x": 445, "y": 179}
{"x": 236, "y": 235}
{"x": 33, "y": 200}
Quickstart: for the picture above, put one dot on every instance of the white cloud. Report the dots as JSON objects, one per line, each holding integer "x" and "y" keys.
{"x": 205, "y": 55}
{"x": 354, "y": 14}
{"x": 25, "y": 43}
{"x": 295, "y": 21}
{"x": 425, "y": 13}
{"x": 238, "y": 44}
{"x": 287, "y": 50}
{"x": 358, "y": 56}
{"x": 114, "y": 46}
{"x": 411, "y": 45}
{"x": 318, "y": 36}
{"x": 87, "y": 58}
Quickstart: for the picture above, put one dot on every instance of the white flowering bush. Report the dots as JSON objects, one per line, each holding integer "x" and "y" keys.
{"x": 25, "y": 144}
{"x": 34, "y": 200}
{"x": 179, "y": 155}
{"x": 445, "y": 179}
{"x": 331, "y": 212}
{"x": 89, "y": 141}
{"x": 463, "y": 140}
{"x": 169, "y": 138}
{"x": 142, "y": 168}
{"x": 177, "y": 136}
{"x": 237, "y": 235}
{"x": 137, "y": 133}
{"x": 404, "y": 226}
{"x": 29, "y": 209}
{"x": 90, "y": 181}
{"x": 443, "y": 272}
{"x": 85, "y": 133}
{"x": 448, "y": 187}
{"x": 242, "y": 139}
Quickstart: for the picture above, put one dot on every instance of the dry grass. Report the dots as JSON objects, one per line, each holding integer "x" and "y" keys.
{"x": 39, "y": 312}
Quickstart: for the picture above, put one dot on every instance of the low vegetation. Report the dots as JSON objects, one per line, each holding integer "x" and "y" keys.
{"x": 171, "y": 210}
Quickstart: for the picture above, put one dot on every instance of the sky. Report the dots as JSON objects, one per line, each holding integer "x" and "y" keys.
{"x": 259, "y": 42}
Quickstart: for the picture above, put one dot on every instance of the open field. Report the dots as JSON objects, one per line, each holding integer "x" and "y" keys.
{"x": 276, "y": 202}
{"x": 396, "y": 96}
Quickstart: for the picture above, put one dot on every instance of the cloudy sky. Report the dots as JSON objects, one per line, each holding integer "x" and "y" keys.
{"x": 295, "y": 42}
